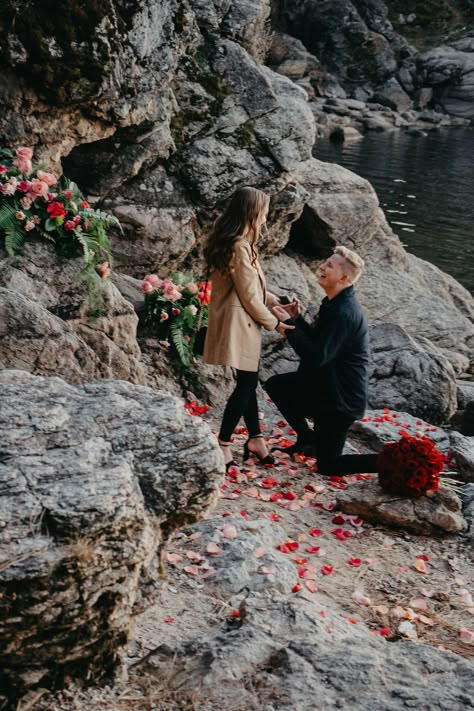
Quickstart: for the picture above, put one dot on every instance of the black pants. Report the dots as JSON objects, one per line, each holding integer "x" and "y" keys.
{"x": 296, "y": 402}
{"x": 242, "y": 403}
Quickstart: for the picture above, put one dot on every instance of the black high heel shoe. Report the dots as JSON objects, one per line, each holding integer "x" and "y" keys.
{"x": 268, "y": 459}
{"x": 231, "y": 463}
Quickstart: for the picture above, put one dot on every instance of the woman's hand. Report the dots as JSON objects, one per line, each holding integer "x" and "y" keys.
{"x": 282, "y": 316}
{"x": 282, "y": 328}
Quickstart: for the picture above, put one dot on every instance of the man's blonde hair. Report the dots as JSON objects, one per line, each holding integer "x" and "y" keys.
{"x": 354, "y": 263}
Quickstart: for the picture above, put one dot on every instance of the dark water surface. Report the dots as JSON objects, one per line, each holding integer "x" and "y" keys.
{"x": 426, "y": 188}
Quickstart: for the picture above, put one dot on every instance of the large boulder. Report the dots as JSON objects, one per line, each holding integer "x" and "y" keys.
{"x": 296, "y": 658}
{"x": 440, "y": 512}
{"x": 95, "y": 478}
{"x": 50, "y": 326}
{"x": 449, "y": 71}
{"x": 406, "y": 377}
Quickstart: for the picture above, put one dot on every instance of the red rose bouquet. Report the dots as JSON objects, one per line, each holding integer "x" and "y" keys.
{"x": 410, "y": 467}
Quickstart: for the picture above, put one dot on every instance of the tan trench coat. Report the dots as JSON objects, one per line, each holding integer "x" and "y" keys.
{"x": 237, "y": 311}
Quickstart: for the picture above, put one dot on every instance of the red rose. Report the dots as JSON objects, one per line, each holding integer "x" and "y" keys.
{"x": 23, "y": 186}
{"x": 85, "y": 205}
{"x": 56, "y": 209}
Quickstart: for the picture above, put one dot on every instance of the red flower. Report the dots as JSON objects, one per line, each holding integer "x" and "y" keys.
{"x": 85, "y": 205}
{"x": 56, "y": 209}
{"x": 410, "y": 467}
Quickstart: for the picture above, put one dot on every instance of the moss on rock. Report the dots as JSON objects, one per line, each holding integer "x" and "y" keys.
{"x": 66, "y": 55}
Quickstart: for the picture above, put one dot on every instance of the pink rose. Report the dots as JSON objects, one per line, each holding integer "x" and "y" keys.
{"x": 20, "y": 215}
{"x": 67, "y": 193}
{"x": 76, "y": 219}
{"x": 69, "y": 225}
{"x": 47, "y": 178}
{"x": 147, "y": 287}
{"x": 154, "y": 280}
{"x": 192, "y": 287}
{"x": 38, "y": 187}
{"x": 187, "y": 338}
{"x": 3, "y": 169}
{"x": 23, "y": 186}
{"x": 29, "y": 225}
{"x": 23, "y": 164}
{"x": 175, "y": 311}
{"x": 164, "y": 316}
{"x": 8, "y": 188}
{"x": 25, "y": 202}
{"x": 23, "y": 152}
{"x": 165, "y": 344}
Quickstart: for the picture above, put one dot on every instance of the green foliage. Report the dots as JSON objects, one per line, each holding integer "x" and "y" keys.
{"x": 175, "y": 309}
{"x": 34, "y": 202}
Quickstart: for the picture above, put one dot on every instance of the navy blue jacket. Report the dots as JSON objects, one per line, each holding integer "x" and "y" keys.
{"x": 334, "y": 354}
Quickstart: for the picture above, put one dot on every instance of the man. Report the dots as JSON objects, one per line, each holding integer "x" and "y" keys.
{"x": 331, "y": 382}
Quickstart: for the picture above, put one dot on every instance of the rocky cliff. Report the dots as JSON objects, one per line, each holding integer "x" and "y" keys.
{"x": 159, "y": 110}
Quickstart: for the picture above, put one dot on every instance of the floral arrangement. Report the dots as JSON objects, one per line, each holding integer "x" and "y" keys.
{"x": 33, "y": 201}
{"x": 410, "y": 467}
{"x": 177, "y": 308}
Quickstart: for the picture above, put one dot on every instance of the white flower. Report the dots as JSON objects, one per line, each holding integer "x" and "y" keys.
{"x": 192, "y": 309}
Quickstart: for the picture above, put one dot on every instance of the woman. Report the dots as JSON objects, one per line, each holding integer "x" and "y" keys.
{"x": 240, "y": 305}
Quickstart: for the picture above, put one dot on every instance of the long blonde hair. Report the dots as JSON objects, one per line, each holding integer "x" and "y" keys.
{"x": 240, "y": 217}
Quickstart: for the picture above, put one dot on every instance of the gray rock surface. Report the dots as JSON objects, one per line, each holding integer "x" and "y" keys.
{"x": 438, "y": 512}
{"x": 46, "y": 327}
{"x": 248, "y": 561}
{"x": 449, "y": 71}
{"x": 298, "y": 660}
{"x": 379, "y": 427}
{"x": 468, "y": 508}
{"x": 95, "y": 478}
{"x": 406, "y": 377}
{"x": 462, "y": 449}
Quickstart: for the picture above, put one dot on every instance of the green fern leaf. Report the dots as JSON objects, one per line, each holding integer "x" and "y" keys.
{"x": 100, "y": 215}
{"x": 7, "y": 214}
{"x": 182, "y": 347}
{"x": 14, "y": 238}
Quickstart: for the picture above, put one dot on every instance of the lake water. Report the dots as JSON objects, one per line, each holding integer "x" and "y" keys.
{"x": 426, "y": 188}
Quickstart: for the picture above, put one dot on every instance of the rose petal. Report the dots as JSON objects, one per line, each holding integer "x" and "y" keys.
{"x": 327, "y": 569}
{"x": 173, "y": 557}
{"x": 213, "y": 548}
{"x": 191, "y": 569}
{"x": 260, "y": 552}
{"x": 360, "y": 598}
{"x": 355, "y": 562}
{"x": 229, "y": 531}
{"x": 311, "y": 585}
{"x": 420, "y": 566}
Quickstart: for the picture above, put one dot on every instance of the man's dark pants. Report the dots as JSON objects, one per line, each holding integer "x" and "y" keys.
{"x": 296, "y": 402}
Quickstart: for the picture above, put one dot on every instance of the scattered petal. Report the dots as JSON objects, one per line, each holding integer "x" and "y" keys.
{"x": 327, "y": 569}
{"x": 385, "y": 631}
{"x": 355, "y": 562}
{"x": 423, "y": 557}
{"x": 195, "y": 535}
{"x": 420, "y": 566}
{"x": 192, "y": 555}
{"x": 252, "y": 492}
{"x": 351, "y": 620}
{"x": 466, "y": 636}
{"x": 169, "y": 619}
{"x": 296, "y": 587}
{"x": 418, "y": 604}
{"x": 312, "y": 549}
{"x": 260, "y": 552}
{"x": 311, "y": 586}
{"x": 209, "y": 572}
{"x": 426, "y": 620}
{"x": 191, "y": 569}
{"x": 213, "y": 548}
{"x": 360, "y": 598}
{"x": 316, "y": 532}
{"x": 381, "y": 610}
{"x": 173, "y": 557}
{"x": 235, "y": 613}
{"x": 268, "y": 569}
{"x": 229, "y": 531}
